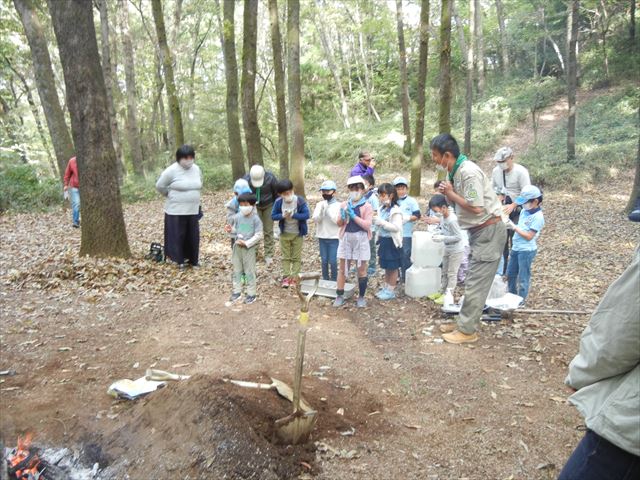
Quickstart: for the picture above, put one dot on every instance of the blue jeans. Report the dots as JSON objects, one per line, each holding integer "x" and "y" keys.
{"x": 595, "y": 458}
{"x": 519, "y": 272}
{"x": 406, "y": 257}
{"x": 74, "y": 196}
{"x": 329, "y": 257}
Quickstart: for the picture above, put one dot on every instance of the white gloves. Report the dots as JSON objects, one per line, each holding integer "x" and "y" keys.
{"x": 437, "y": 237}
{"x": 511, "y": 225}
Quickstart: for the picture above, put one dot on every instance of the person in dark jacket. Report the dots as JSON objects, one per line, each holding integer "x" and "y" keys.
{"x": 263, "y": 185}
{"x": 291, "y": 212}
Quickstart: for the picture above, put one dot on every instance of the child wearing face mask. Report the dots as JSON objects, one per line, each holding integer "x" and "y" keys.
{"x": 325, "y": 216}
{"x": 247, "y": 229}
{"x": 291, "y": 212}
{"x": 371, "y": 194}
{"x": 389, "y": 228}
{"x": 356, "y": 216}
{"x": 525, "y": 238}
{"x": 410, "y": 213}
{"x": 233, "y": 207}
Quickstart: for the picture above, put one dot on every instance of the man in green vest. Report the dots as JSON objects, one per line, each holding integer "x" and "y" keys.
{"x": 479, "y": 212}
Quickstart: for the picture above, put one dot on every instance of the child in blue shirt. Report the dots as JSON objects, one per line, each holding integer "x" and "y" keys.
{"x": 410, "y": 214}
{"x": 371, "y": 195}
{"x": 524, "y": 247}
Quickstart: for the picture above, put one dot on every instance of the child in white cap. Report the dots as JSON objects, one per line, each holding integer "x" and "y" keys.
{"x": 410, "y": 214}
{"x": 326, "y": 216}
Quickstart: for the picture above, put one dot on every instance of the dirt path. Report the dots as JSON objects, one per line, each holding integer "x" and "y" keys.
{"x": 393, "y": 401}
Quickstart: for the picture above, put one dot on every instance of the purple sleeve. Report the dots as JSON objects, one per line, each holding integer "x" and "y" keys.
{"x": 355, "y": 171}
{"x": 369, "y": 171}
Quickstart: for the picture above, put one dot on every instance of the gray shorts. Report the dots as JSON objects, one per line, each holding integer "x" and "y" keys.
{"x": 354, "y": 246}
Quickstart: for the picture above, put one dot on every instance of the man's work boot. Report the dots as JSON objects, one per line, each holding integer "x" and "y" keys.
{"x": 458, "y": 337}
{"x": 448, "y": 327}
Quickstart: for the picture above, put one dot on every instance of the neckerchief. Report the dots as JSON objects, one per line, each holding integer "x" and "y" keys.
{"x": 459, "y": 161}
{"x": 258, "y": 194}
{"x": 362, "y": 201}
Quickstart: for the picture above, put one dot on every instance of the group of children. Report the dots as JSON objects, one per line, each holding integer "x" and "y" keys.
{"x": 371, "y": 224}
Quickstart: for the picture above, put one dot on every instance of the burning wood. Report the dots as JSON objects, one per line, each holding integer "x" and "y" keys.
{"x": 23, "y": 463}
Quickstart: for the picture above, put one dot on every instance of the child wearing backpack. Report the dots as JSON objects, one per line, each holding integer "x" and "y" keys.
{"x": 389, "y": 228}
{"x": 291, "y": 212}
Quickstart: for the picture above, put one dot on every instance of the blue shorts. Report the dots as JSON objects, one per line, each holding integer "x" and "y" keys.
{"x": 390, "y": 255}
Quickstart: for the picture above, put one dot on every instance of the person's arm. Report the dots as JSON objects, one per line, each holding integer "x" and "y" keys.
{"x": 537, "y": 222}
{"x": 258, "y": 233}
{"x": 334, "y": 212}
{"x": 67, "y": 175}
{"x": 415, "y": 213}
{"x": 610, "y": 344}
{"x": 162, "y": 185}
{"x": 302, "y": 212}
{"x": 455, "y": 234}
{"x": 394, "y": 225}
{"x": 276, "y": 211}
{"x": 366, "y": 221}
{"x": 525, "y": 179}
{"x": 318, "y": 212}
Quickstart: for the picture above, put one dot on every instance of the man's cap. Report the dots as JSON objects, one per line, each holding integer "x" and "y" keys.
{"x": 503, "y": 154}
{"x": 530, "y": 192}
{"x": 241, "y": 186}
{"x": 328, "y": 185}
{"x": 355, "y": 180}
{"x": 256, "y": 174}
{"x": 400, "y": 181}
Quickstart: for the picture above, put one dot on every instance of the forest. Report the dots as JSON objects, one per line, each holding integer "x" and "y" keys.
{"x": 103, "y": 101}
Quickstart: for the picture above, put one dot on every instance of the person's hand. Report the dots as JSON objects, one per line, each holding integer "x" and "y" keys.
{"x": 351, "y": 212}
{"x": 437, "y": 237}
{"x": 66, "y": 187}
{"x": 372, "y": 164}
{"x": 432, "y": 220}
{"x": 288, "y": 214}
{"x": 65, "y": 195}
{"x": 510, "y": 225}
{"x": 509, "y": 208}
{"x": 227, "y": 228}
{"x": 377, "y": 220}
{"x": 445, "y": 187}
{"x": 241, "y": 243}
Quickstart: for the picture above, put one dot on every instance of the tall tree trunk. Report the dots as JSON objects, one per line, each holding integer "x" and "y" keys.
{"x": 444, "y": 118}
{"x": 45, "y": 81}
{"x": 467, "y": 55}
{"x": 228, "y": 40}
{"x": 172, "y": 94}
{"x": 404, "y": 83}
{"x": 632, "y": 23}
{"x": 295, "y": 96}
{"x": 107, "y": 72}
{"x": 572, "y": 78}
{"x": 103, "y": 228}
{"x": 335, "y": 71}
{"x": 504, "y": 41}
{"x": 133, "y": 135}
{"x": 249, "y": 66}
{"x": 635, "y": 190}
{"x": 368, "y": 81}
{"x": 479, "y": 39}
{"x": 280, "y": 83}
{"x": 418, "y": 152}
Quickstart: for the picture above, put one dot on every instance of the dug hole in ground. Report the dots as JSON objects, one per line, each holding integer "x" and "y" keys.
{"x": 392, "y": 402}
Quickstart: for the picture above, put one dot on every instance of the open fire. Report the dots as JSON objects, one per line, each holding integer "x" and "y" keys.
{"x": 24, "y": 463}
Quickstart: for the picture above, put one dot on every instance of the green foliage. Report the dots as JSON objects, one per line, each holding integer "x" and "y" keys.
{"x": 606, "y": 144}
{"x": 22, "y": 190}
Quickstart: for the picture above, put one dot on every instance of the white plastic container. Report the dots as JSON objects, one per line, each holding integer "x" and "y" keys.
{"x": 424, "y": 251}
{"x": 422, "y": 281}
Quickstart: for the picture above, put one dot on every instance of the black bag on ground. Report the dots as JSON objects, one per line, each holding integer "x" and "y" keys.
{"x": 156, "y": 252}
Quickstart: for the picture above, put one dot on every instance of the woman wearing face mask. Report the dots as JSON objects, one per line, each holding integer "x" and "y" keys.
{"x": 181, "y": 183}
{"x": 325, "y": 216}
{"x": 356, "y": 217}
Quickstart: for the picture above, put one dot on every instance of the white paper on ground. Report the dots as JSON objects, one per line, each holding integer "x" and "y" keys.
{"x": 508, "y": 301}
{"x": 132, "y": 389}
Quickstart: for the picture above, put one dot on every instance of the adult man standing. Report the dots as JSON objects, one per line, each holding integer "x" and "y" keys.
{"x": 263, "y": 185}
{"x": 72, "y": 190}
{"x": 479, "y": 212}
{"x": 509, "y": 178}
{"x": 366, "y": 165}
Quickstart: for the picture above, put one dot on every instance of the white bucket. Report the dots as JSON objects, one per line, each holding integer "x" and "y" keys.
{"x": 422, "y": 281}
{"x": 424, "y": 251}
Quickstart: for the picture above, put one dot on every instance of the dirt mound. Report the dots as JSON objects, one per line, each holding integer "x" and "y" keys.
{"x": 205, "y": 428}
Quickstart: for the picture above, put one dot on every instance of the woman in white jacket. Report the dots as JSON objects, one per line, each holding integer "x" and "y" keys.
{"x": 389, "y": 223}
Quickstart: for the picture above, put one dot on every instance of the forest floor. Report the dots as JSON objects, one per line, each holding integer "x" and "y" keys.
{"x": 392, "y": 401}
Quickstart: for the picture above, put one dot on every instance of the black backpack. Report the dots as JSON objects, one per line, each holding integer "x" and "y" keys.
{"x": 156, "y": 252}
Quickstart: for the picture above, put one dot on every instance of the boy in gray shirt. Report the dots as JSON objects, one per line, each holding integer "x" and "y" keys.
{"x": 246, "y": 227}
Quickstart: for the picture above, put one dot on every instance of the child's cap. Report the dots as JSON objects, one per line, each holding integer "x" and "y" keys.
{"x": 328, "y": 185}
{"x": 241, "y": 186}
{"x": 355, "y": 180}
{"x": 503, "y": 154}
{"x": 530, "y": 192}
{"x": 400, "y": 181}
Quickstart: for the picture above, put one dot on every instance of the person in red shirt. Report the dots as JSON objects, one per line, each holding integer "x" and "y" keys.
{"x": 72, "y": 189}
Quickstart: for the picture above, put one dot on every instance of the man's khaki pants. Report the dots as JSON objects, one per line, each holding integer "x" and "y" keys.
{"x": 267, "y": 227}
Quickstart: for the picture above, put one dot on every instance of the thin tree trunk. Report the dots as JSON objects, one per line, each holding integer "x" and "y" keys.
{"x": 335, "y": 71}
{"x": 632, "y": 23}
{"x": 228, "y": 41}
{"x": 368, "y": 81}
{"x": 172, "y": 94}
{"x": 635, "y": 190}
{"x": 295, "y": 96}
{"x": 444, "y": 119}
{"x": 103, "y": 228}
{"x": 280, "y": 84}
{"x": 249, "y": 111}
{"x": 479, "y": 57}
{"x": 404, "y": 82}
{"x": 572, "y": 80}
{"x": 504, "y": 41}
{"x": 467, "y": 55}
{"x": 46, "y": 84}
{"x": 133, "y": 135}
{"x": 418, "y": 153}
{"x": 107, "y": 71}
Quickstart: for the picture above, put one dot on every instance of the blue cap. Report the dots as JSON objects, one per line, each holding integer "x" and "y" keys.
{"x": 400, "y": 181}
{"x": 530, "y": 192}
{"x": 328, "y": 185}
{"x": 241, "y": 186}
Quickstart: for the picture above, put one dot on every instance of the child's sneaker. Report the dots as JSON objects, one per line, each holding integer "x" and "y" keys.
{"x": 285, "y": 282}
{"x": 339, "y": 301}
{"x": 439, "y": 300}
{"x": 387, "y": 295}
{"x": 235, "y": 297}
{"x": 250, "y": 299}
{"x": 361, "y": 302}
{"x": 434, "y": 296}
